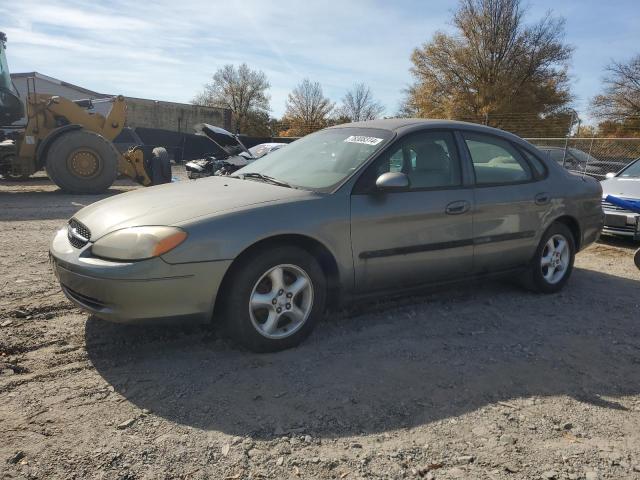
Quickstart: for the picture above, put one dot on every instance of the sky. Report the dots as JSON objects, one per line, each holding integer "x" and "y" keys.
{"x": 167, "y": 50}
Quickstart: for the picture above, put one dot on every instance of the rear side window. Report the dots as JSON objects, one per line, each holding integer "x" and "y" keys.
{"x": 536, "y": 164}
{"x": 496, "y": 161}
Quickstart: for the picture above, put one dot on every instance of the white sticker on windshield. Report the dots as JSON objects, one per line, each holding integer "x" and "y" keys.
{"x": 362, "y": 139}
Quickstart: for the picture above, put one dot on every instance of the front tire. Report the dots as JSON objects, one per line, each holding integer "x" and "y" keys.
{"x": 274, "y": 299}
{"x": 82, "y": 162}
{"x": 553, "y": 261}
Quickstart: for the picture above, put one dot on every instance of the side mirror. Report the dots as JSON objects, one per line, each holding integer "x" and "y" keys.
{"x": 610, "y": 175}
{"x": 392, "y": 182}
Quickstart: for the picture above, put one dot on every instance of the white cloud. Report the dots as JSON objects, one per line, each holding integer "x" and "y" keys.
{"x": 169, "y": 49}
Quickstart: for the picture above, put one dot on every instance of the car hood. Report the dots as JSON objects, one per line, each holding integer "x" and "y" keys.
{"x": 227, "y": 141}
{"x": 178, "y": 202}
{"x": 621, "y": 187}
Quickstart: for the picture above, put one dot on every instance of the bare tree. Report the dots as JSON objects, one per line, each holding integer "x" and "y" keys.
{"x": 621, "y": 95}
{"x": 241, "y": 90}
{"x": 494, "y": 64}
{"x": 359, "y": 105}
{"x": 307, "y": 108}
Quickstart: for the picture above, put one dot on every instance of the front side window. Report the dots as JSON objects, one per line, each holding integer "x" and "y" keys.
{"x": 495, "y": 161}
{"x": 321, "y": 160}
{"x": 429, "y": 159}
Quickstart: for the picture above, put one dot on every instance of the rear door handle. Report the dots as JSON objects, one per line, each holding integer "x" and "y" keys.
{"x": 458, "y": 207}
{"x": 542, "y": 198}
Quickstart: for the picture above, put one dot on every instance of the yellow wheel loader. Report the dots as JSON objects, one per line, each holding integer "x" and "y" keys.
{"x": 74, "y": 145}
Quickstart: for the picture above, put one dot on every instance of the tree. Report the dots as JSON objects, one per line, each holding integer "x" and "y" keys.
{"x": 241, "y": 90}
{"x": 359, "y": 105}
{"x": 494, "y": 64}
{"x": 618, "y": 106}
{"x": 307, "y": 109}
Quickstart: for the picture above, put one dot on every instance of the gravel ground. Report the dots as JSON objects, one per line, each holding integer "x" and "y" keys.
{"x": 478, "y": 381}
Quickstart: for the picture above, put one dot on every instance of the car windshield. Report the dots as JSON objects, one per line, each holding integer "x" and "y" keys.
{"x": 632, "y": 171}
{"x": 321, "y": 160}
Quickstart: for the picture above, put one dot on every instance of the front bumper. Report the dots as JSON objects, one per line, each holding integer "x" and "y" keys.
{"x": 625, "y": 224}
{"x": 136, "y": 291}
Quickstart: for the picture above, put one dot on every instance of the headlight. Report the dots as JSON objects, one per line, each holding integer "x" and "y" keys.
{"x": 138, "y": 243}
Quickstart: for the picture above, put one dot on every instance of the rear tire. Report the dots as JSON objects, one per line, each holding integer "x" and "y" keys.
{"x": 552, "y": 263}
{"x": 160, "y": 166}
{"x": 636, "y": 258}
{"x": 82, "y": 162}
{"x": 266, "y": 315}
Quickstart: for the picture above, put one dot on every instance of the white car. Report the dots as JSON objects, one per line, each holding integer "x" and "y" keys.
{"x": 624, "y": 185}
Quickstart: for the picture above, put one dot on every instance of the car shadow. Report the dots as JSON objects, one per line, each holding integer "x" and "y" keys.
{"x": 383, "y": 366}
{"x": 618, "y": 241}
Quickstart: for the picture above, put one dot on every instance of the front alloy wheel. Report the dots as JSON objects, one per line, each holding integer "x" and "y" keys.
{"x": 273, "y": 298}
{"x": 281, "y": 301}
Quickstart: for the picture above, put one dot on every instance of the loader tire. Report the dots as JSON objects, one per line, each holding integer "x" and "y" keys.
{"x": 160, "y": 166}
{"x": 82, "y": 162}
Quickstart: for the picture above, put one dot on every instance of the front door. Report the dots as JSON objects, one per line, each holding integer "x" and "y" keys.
{"x": 421, "y": 235}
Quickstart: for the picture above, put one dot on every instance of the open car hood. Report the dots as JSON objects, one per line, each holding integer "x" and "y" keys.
{"x": 227, "y": 141}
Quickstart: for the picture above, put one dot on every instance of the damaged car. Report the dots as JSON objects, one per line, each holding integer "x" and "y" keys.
{"x": 355, "y": 211}
{"x": 232, "y": 156}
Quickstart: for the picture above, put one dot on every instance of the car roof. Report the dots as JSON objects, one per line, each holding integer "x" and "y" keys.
{"x": 403, "y": 125}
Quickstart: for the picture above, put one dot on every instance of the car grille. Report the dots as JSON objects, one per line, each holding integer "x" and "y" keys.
{"x": 614, "y": 208}
{"x": 77, "y": 233}
{"x": 629, "y": 229}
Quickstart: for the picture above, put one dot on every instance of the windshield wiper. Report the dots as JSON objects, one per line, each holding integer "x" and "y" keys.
{"x": 265, "y": 178}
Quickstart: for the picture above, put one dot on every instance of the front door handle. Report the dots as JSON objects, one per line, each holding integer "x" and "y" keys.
{"x": 542, "y": 198}
{"x": 458, "y": 207}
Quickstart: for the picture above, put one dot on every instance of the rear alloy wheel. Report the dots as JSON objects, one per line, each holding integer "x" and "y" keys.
{"x": 553, "y": 262}
{"x": 273, "y": 299}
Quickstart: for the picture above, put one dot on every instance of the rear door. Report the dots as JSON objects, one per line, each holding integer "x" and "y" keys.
{"x": 416, "y": 236}
{"x": 511, "y": 203}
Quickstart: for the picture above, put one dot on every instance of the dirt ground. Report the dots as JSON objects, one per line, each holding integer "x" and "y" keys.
{"x": 482, "y": 381}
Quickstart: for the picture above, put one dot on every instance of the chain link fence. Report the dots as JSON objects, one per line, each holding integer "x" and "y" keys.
{"x": 594, "y": 156}
{"x": 581, "y": 149}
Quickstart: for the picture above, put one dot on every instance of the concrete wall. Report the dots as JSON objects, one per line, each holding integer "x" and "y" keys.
{"x": 179, "y": 117}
